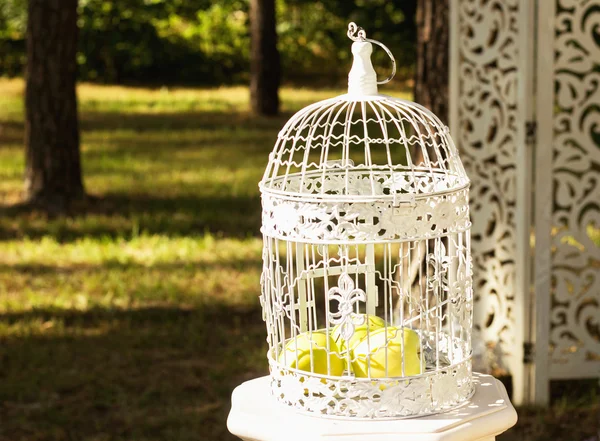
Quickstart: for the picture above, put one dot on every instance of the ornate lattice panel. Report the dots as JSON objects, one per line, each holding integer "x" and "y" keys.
{"x": 550, "y": 199}
{"x": 484, "y": 119}
{"x": 574, "y": 183}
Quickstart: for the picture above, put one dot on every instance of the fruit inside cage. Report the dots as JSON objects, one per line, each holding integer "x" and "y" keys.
{"x": 364, "y": 312}
{"x": 380, "y": 351}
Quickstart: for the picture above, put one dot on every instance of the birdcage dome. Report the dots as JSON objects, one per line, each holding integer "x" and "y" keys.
{"x": 386, "y": 147}
{"x": 360, "y": 149}
{"x": 366, "y": 283}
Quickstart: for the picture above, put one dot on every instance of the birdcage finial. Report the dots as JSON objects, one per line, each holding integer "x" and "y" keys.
{"x": 356, "y": 33}
{"x": 362, "y": 79}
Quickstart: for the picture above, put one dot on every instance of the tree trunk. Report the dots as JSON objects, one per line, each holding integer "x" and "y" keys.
{"x": 264, "y": 58}
{"x": 431, "y": 77}
{"x": 53, "y": 171}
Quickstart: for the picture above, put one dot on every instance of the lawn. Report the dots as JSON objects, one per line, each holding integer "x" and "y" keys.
{"x": 135, "y": 319}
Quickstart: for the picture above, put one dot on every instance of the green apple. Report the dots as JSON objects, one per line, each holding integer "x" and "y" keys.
{"x": 298, "y": 354}
{"x": 371, "y": 323}
{"x": 399, "y": 342}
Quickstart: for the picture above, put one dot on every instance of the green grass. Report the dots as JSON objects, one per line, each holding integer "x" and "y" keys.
{"x": 135, "y": 320}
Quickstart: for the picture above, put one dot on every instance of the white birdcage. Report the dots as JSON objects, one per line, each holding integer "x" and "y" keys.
{"x": 366, "y": 284}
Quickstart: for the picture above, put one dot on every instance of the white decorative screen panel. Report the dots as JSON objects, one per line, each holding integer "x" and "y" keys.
{"x": 485, "y": 118}
{"x": 575, "y": 182}
{"x": 552, "y": 202}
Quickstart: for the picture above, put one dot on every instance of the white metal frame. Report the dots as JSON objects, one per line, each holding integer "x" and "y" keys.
{"x": 543, "y": 199}
{"x": 366, "y": 220}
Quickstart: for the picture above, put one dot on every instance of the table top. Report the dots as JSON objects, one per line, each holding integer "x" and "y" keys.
{"x": 256, "y": 415}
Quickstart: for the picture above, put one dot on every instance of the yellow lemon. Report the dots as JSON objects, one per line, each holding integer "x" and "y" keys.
{"x": 371, "y": 323}
{"x": 397, "y": 340}
{"x": 298, "y": 354}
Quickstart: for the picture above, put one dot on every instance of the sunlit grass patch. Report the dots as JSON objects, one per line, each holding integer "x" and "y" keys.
{"x": 102, "y": 272}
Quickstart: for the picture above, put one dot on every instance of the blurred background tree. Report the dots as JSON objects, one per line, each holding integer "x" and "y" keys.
{"x": 201, "y": 42}
{"x": 431, "y": 73}
{"x": 53, "y": 166}
{"x": 265, "y": 71}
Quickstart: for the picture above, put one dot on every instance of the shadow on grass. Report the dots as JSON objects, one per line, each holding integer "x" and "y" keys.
{"x": 126, "y": 215}
{"x": 94, "y": 120}
{"x": 570, "y": 421}
{"x": 189, "y": 120}
{"x": 239, "y": 263}
{"x": 11, "y": 132}
{"x": 145, "y": 374}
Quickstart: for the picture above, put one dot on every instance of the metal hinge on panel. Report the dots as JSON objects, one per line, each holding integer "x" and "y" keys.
{"x": 530, "y": 132}
{"x": 528, "y": 352}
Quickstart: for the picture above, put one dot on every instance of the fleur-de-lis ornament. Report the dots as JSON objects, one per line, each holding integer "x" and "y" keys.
{"x": 347, "y": 296}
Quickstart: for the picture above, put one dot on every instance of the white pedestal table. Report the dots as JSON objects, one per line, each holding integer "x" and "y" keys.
{"x": 256, "y": 416}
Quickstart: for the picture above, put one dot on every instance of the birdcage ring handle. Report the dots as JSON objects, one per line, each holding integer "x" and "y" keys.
{"x": 356, "y": 33}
